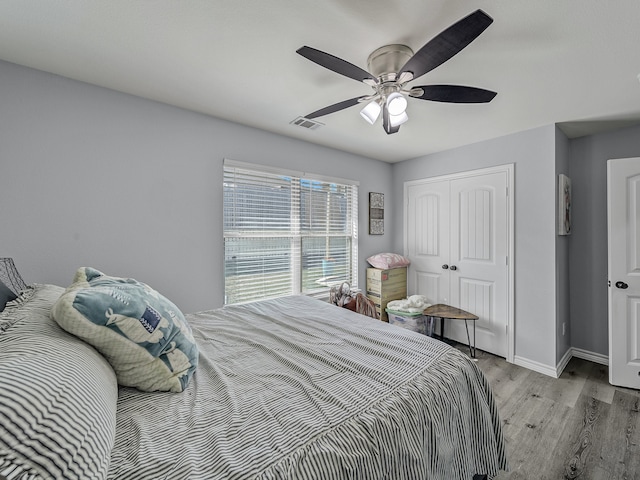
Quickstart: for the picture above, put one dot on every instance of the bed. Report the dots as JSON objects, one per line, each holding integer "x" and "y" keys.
{"x": 291, "y": 388}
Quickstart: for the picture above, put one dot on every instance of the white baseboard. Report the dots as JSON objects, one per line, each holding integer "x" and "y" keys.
{"x": 591, "y": 356}
{"x": 557, "y": 371}
{"x": 563, "y": 362}
{"x": 535, "y": 366}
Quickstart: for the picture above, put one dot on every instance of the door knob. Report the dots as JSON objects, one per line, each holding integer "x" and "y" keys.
{"x": 445, "y": 266}
{"x": 453, "y": 267}
{"x": 621, "y": 285}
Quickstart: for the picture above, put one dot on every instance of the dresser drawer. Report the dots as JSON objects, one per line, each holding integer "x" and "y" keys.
{"x": 384, "y": 286}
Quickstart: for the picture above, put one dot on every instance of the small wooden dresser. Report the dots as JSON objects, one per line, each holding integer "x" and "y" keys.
{"x": 384, "y": 286}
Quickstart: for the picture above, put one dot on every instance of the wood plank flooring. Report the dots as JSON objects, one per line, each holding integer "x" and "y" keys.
{"x": 577, "y": 426}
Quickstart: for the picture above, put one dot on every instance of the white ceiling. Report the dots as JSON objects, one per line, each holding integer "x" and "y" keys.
{"x": 573, "y": 62}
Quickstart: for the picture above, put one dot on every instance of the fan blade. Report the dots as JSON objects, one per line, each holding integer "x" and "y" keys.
{"x": 336, "y": 107}
{"x": 386, "y": 121}
{"x": 447, "y": 44}
{"x": 337, "y": 65}
{"x": 454, "y": 94}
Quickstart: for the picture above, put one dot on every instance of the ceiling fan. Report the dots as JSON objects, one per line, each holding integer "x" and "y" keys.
{"x": 392, "y": 67}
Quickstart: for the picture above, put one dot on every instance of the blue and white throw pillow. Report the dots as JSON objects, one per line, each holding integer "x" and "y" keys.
{"x": 142, "y": 334}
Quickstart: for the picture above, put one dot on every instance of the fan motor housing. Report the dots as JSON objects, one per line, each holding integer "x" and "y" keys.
{"x": 385, "y": 62}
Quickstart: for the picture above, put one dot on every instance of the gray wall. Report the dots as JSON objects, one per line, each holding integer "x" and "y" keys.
{"x": 92, "y": 177}
{"x": 89, "y": 176}
{"x": 588, "y": 242}
{"x": 533, "y": 153}
{"x": 563, "y": 314}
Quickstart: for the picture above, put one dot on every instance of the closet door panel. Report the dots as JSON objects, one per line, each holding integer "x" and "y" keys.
{"x": 427, "y": 220}
{"x": 479, "y": 252}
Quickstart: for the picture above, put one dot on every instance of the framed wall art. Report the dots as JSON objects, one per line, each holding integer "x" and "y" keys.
{"x": 564, "y": 205}
{"x": 376, "y": 213}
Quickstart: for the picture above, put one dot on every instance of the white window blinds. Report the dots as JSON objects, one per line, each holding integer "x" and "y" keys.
{"x": 287, "y": 233}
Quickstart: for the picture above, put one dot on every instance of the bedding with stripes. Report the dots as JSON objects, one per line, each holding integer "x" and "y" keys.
{"x": 58, "y": 396}
{"x": 296, "y": 388}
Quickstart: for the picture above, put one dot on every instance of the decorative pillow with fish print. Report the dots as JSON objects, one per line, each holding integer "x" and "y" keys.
{"x": 142, "y": 334}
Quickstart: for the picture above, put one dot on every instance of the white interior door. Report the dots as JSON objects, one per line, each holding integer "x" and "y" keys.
{"x": 457, "y": 237}
{"x": 623, "y": 209}
{"x": 427, "y": 240}
{"x": 479, "y": 250}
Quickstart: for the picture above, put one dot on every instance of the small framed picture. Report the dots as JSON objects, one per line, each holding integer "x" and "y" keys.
{"x": 376, "y": 213}
{"x": 564, "y": 205}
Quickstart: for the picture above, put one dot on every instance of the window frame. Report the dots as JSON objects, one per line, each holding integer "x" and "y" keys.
{"x": 295, "y": 232}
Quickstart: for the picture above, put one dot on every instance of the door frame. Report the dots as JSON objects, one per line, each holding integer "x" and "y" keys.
{"x": 509, "y": 169}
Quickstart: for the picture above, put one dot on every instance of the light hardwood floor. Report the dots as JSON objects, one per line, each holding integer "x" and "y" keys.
{"x": 577, "y": 426}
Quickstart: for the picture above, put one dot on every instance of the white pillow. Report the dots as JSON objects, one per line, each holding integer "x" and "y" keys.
{"x": 386, "y": 261}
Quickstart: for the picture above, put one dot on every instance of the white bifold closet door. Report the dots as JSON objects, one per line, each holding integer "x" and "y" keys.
{"x": 457, "y": 239}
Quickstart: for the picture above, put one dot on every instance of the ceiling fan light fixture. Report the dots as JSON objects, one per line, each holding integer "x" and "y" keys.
{"x": 396, "y": 103}
{"x": 371, "y": 112}
{"x": 392, "y": 67}
{"x": 397, "y": 120}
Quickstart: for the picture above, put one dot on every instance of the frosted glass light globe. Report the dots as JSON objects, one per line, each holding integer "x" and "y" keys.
{"x": 396, "y": 104}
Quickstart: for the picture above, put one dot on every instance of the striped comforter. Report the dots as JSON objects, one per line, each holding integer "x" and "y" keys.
{"x": 296, "y": 388}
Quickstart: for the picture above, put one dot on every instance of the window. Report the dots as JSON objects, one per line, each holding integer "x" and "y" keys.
{"x": 287, "y": 232}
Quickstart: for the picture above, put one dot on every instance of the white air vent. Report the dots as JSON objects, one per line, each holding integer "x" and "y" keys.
{"x": 306, "y": 123}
